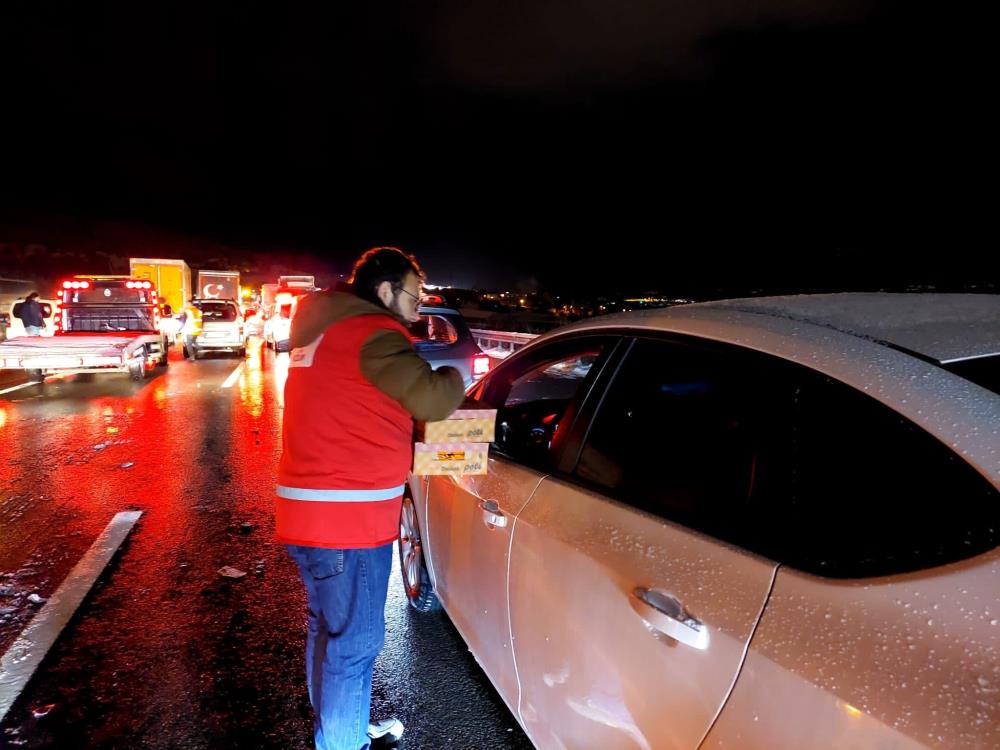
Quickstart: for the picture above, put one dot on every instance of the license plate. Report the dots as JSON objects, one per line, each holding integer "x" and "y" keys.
{"x": 217, "y": 334}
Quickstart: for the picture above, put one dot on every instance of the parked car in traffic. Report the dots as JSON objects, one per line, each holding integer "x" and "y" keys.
{"x": 253, "y": 321}
{"x": 442, "y": 337}
{"x": 763, "y": 524}
{"x": 221, "y": 328}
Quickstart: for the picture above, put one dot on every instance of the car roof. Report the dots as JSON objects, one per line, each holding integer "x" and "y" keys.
{"x": 886, "y": 345}
{"x": 942, "y": 327}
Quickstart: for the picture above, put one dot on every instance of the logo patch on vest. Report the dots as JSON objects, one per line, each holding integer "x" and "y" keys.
{"x": 302, "y": 356}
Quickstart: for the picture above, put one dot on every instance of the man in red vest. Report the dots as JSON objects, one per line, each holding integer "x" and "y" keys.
{"x": 354, "y": 386}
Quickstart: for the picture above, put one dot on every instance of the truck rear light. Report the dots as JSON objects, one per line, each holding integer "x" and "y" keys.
{"x": 480, "y": 365}
{"x": 76, "y": 285}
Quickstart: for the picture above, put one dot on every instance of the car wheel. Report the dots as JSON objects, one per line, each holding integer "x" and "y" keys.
{"x": 137, "y": 369}
{"x": 416, "y": 579}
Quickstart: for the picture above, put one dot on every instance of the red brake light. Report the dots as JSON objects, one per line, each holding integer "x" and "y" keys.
{"x": 85, "y": 285}
{"x": 480, "y": 365}
{"x": 67, "y": 284}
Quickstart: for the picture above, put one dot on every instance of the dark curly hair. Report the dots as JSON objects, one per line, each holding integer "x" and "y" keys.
{"x": 382, "y": 264}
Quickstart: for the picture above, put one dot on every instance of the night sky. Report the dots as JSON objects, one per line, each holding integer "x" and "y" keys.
{"x": 709, "y": 145}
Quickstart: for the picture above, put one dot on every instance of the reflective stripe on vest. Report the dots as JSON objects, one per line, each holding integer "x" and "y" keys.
{"x": 339, "y": 496}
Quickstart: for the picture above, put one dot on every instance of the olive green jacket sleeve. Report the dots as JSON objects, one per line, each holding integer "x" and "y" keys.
{"x": 390, "y": 363}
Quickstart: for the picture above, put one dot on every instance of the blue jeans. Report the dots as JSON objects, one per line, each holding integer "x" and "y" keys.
{"x": 34, "y": 330}
{"x": 346, "y": 590}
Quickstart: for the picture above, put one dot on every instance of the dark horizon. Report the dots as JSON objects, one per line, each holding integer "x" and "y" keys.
{"x": 785, "y": 145}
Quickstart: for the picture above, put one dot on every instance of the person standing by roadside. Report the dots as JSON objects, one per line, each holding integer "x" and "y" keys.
{"x": 355, "y": 384}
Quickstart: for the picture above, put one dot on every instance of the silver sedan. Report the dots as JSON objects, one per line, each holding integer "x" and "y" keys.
{"x": 763, "y": 524}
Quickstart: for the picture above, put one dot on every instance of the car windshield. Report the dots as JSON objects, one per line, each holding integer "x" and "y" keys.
{"x": 217, "y": 311}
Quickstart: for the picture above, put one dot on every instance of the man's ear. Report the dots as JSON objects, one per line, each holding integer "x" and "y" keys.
{"x": 384, "y": 292}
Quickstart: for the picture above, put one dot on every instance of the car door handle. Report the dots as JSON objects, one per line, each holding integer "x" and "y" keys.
{"x": 492, "y": 515}
{"x": 667, "y": 615}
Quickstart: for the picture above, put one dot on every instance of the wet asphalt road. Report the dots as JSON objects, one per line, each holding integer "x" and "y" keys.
{"x": 165, "y": 652}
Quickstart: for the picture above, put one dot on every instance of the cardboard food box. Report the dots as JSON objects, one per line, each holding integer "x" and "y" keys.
{"x": 455, "y": 459}
{"x": 463, "y": 426}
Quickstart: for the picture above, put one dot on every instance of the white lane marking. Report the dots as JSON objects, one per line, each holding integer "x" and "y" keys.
{"x": 233, "y": 376}
{"x": 27, "y": 652}
{"x": 16, "y": 388}
{"x": 48, "y": 378}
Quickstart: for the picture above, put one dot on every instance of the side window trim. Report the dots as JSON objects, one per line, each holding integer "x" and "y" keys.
{"x": 591, "y": 404}
{"x": 613, "y": 342}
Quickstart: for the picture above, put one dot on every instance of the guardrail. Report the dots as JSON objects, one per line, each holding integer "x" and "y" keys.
{"x": 501, "y": 344}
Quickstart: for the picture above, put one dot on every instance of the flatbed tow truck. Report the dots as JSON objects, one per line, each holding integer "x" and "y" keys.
{"x": 103, "y": 324}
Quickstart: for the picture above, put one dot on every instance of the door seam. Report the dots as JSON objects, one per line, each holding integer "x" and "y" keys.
{"x": 510, "y": 620}
{"x": 743, "y": 658}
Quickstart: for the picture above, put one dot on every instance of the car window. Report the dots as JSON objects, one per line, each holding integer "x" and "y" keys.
{"x": 99, "y": 292}
{"x": 783, "y": 462}
{"x": 217, "y": 311}
{"x": 865, "y": 492}
{"x": 534, "y": 396}
{"x": 675, "y": 435}
{"x": 433, "y": 329}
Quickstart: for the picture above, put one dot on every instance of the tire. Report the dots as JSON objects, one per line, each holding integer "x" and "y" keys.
{"x": 416, "y": 580}
{"x": 35, "y": 376}
{"x": 164, "y": 359}
{"x": 137, "y": 370}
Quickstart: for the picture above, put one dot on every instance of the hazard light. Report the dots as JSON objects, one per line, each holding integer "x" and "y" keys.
{"x": 480, "y": 365}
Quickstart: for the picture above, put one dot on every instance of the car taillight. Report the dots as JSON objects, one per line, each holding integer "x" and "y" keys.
{"x": 480, "y": 365}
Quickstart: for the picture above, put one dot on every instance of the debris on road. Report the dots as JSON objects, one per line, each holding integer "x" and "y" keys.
{"x": 230, "y": 572}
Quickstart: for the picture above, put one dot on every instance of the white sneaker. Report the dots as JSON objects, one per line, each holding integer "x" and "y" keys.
{"x": 388, "y": 728}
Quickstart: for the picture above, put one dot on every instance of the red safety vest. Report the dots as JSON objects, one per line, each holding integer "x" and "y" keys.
{"x": 347, "y": 446}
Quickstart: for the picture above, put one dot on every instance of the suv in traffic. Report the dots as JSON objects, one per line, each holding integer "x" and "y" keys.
{"x": 221, "y": 328}
{"x": 442, "y": 337}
